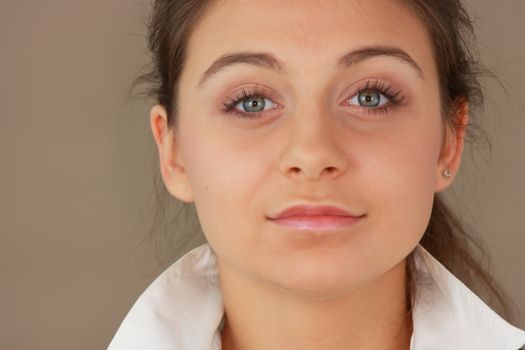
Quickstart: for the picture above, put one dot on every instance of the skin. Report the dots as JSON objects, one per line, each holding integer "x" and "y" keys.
{"x": 289, "y": 289}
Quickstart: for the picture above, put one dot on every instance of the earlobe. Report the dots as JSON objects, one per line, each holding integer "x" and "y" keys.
{"x": 171, "y": 165}
{"x": 453, "y": 146}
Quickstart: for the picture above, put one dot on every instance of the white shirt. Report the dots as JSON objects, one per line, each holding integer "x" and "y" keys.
{"x": 183, "y": 308}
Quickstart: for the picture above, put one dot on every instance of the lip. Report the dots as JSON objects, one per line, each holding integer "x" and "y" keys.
{"x": 315, "y": 217}
{"x": 312, "y": 210}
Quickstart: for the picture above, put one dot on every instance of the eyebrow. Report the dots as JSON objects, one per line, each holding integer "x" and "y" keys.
{"x": 269, "y": 61}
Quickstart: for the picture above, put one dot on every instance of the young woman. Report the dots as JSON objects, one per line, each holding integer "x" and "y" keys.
{"x": 313, "y": 138}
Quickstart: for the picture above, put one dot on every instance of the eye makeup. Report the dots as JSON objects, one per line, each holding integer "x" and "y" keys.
{"x": 392, "y": 94}
{"x": 234, "y": 105}
{"x": 247, "y": 93}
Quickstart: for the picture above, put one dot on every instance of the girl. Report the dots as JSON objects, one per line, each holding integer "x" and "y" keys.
{"x": 314, "y": 138}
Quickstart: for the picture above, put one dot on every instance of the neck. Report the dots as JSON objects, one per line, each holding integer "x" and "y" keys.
{"x": 259, "y": 316}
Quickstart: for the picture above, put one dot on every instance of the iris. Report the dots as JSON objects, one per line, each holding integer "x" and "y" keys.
{"x": 369, "y": 98}
{"x": 254, "y": 104}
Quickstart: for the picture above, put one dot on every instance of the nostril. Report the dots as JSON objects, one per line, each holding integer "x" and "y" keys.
{"x": 331, "y": 170}
{"x": 295, "y": 170}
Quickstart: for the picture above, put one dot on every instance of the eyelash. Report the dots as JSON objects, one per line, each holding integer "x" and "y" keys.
{"x": 395, "y": 99}
{"x": 245, "y": 94}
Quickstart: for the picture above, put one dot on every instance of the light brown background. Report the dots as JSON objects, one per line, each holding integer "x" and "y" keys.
{"x": 76, "y": 167}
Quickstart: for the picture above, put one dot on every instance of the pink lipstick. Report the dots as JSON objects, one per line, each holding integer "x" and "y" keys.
{"x": 315, "y": 218}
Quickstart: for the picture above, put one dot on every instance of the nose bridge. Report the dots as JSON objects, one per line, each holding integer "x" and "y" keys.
{"x": 313, "y": 149}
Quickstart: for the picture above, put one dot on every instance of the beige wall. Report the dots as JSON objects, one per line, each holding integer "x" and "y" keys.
{"x": 76, "y": 167}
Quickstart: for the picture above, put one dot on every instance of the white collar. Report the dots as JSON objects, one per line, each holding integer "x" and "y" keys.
{"x": 182, "y": 309}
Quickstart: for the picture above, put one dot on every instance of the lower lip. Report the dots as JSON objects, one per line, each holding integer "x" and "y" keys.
{"x": 317, "y": 223}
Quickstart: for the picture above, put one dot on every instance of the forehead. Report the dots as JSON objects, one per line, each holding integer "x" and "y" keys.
{"x": 307, "y": 34}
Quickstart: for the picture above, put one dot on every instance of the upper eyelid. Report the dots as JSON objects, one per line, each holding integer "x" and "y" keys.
{"x": 243, "y": 94}
{"x": 363, "y": 84}
{"x": 397, "y": 93}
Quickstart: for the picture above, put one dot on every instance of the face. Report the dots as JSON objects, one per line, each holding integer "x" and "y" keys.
{"x": 305, "y": 126}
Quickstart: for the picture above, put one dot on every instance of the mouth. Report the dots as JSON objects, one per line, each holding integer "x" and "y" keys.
{"x": 315, "y": 218}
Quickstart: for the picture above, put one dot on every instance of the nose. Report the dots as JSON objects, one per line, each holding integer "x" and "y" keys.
{"x": 313, "y": 150}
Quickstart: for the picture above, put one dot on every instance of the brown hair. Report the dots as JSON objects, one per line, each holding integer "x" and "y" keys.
{"x": 451, "y": 31}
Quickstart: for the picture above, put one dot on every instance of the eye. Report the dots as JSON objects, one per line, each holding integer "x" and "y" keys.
{"x": 375, "y": 96}
{"x": 369, "y": 99}
{"x": 254, "y": 104}
{"x": 250, "y": 103}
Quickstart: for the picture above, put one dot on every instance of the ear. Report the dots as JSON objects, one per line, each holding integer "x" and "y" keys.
{"x": 171, "y": 165}
{"x": 453, "y": 145}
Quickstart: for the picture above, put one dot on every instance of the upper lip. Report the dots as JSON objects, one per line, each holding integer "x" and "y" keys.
{"x": 312, "y": 210}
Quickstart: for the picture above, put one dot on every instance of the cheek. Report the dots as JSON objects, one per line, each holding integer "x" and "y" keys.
{"x": 408, "y": 166}
{"x": 225, "y": 175}
{"x": 400, "y": 179}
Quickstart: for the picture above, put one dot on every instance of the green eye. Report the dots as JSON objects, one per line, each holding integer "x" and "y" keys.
{"x": 254, "y": 104}
{"x": 369, "y": 99}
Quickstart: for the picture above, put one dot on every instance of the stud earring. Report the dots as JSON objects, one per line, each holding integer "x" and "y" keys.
{"x": 447, "y": 173}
